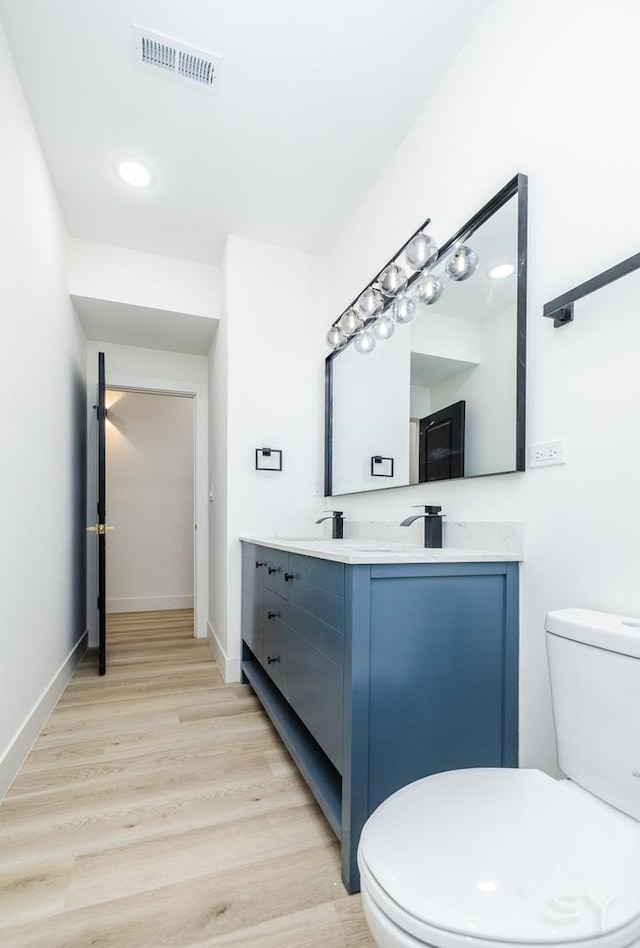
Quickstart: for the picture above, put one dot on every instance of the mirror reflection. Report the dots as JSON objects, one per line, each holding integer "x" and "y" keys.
{"x": 443, "y": 396}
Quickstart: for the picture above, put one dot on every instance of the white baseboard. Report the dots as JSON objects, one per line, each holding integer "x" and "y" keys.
{"x": 229, "y": 667}
{"x": 24, "y": 740}
{"x": 149, "y": 603}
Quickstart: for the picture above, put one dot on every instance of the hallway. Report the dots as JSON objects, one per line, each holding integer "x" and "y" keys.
{"x": 159, "y": 808}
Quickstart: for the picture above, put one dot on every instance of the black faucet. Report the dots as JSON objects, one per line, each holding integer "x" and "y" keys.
{"x": 337, "y": 527}
{"x": 432, "y": 525}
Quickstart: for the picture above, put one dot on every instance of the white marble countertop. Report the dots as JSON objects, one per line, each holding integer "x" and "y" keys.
{"x": 357, "y": 552}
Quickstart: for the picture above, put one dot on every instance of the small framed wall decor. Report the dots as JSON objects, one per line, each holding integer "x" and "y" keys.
{"x": 268, "y": 459}
{"x": 381, "y": 467}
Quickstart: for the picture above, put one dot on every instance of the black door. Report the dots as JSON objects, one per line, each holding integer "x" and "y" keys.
{"x": 100, "y": 527}
{"x": 441, "y": 453}
{"x": 102, "y": 519}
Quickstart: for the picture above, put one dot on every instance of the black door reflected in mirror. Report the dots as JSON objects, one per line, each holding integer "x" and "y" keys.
{"x": 460, "y": 363}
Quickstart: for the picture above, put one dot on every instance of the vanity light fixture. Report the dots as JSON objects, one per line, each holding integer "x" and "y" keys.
{"x": 501, "y": 271}
{"x": 134, "y": 173}
{"x": 391, "y": 297}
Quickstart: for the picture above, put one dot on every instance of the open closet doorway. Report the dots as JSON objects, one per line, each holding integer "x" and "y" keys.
{"x": 150, "y": 446}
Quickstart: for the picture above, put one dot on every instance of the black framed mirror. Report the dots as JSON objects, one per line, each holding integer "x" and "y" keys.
{"x": 444, "y": 397}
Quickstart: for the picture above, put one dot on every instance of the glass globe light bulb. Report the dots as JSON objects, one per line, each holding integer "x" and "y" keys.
{"x": 421, "y": 251}
{"x": 403, "y": 309}
{"x": 336, "y": 338}
{"x": 461, "y": 264}
{"x": 392, "y": 279}
{"x": 350, "y": 321}
{"x": 370, "y": 302}
{"x": 428, "y": 289}
{"x": 365, "y": 342}
{"x": 383, "y": 328}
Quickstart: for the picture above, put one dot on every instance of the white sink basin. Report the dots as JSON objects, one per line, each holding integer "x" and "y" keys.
{"x": 355, "y": 552}
{"x": 362, "y": 546}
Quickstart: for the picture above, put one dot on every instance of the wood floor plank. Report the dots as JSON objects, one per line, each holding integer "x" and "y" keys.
{"x": 228, "y": 726}
{"x": 159, "y": 808}
{"x": 113, "y": 873}
{"x": 200, "y": 912}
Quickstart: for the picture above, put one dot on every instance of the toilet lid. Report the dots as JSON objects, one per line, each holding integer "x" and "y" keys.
{"x": 504, "y": 855}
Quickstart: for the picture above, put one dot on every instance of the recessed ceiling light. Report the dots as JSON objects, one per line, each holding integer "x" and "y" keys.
{"x": 501, "y": 271}
{"x": 134, "y": 173}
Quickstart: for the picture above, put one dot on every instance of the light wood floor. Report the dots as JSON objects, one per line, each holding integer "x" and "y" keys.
{"x": 159, "y": 808}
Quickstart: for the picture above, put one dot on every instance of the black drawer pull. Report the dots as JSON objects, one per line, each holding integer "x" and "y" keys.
{"x": 273, "y": 569}
{"x": 258, "y": 565}
{"x": 273, "y": 615}
{"x": 270, "y": 660}
{"x": 287, "y": 577}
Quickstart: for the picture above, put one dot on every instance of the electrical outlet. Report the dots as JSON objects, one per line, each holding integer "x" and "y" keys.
{"x": 547, "y": 453}
{"x": 316, "y": 488}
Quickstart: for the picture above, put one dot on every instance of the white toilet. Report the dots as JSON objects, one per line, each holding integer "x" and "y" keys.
{"x": 498, "y": 857}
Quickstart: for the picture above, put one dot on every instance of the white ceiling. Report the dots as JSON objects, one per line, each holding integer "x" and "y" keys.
{"x": 128, "y": 325}
{"x": 313, "y": 99}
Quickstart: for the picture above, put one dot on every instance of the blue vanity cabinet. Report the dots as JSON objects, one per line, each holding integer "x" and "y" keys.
{"x": 388, "y": 673}
{"x": 292, "y": 625}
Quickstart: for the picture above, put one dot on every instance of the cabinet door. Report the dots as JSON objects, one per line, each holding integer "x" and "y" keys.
{"x": 317, "y": 587}
{"x": 314, "y": 685}
{"x": 276, "y": 634}
{"x": 252, "y": 614}
{"x": 437, "y": 677}
{"x": 276, "y": 572}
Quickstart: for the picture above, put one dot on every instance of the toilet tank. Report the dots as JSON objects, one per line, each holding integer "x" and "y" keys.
{"x": 594, "y": 663}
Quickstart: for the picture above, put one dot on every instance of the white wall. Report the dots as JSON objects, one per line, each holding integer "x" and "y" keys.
{"x": 489, "y": 391}
{"x": 218, "y": 371}
{"x": 420, "y": 401}
{"x": 373, "y": 393}
{"x": 103, "y": 272}
{"x": 43, "y": 443}
{"x": 438, "y": 334}
{"x": 148, "y": 365}
{"x": 150, "y": 445}
{"x": 550, "y": 90}
{"x": 270, "y": 353}
{"x": 153, "y": 370}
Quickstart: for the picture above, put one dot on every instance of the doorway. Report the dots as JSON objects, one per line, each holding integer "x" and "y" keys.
{"x": 150, "y": 444}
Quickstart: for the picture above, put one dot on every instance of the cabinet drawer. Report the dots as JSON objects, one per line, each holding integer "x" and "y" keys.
{"x": 315, "y": 693}
{"x": 317, "y": 587}
{"x": 253, "y": 567}
{"x": 252, "y": 622}
{"x": 275, "y": 639}
{"x": 274, "y": 571}
{"x": 324, "y": 574}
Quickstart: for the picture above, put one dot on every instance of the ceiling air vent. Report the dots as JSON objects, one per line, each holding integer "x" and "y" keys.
{"x": 174, "y": 60}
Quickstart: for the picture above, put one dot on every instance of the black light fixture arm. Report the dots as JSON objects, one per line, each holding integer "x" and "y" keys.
{"x": 410, "y": 280}
{"x": 561, "y": 308}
